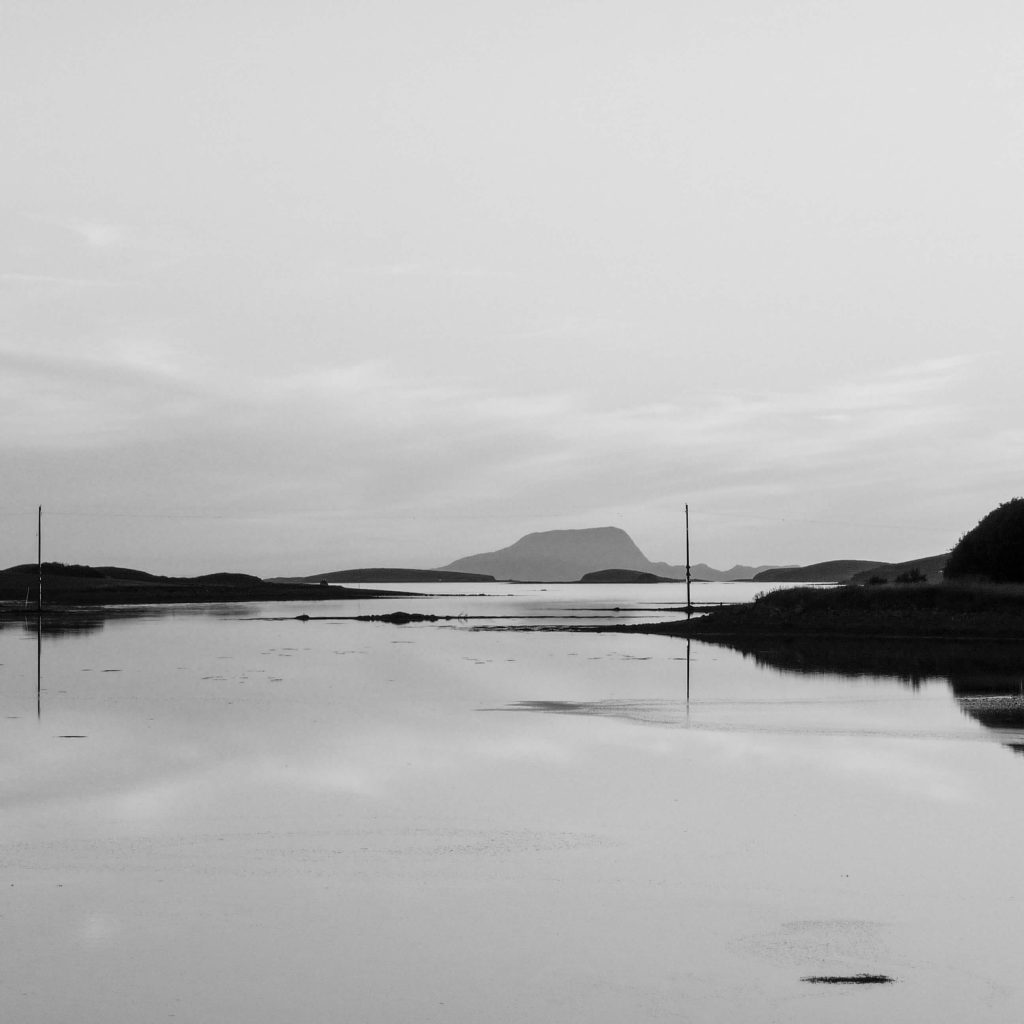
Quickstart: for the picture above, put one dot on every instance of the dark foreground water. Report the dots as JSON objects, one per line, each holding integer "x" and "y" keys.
{"x": 218, "y": 816}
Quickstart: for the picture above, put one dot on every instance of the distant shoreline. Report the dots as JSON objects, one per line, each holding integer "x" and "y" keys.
{"x": 57, "y": 597}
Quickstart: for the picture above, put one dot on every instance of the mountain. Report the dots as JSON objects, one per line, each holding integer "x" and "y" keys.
{"x": 837, "y": 571}
{"x": 563, "y": 556}
{"x": 558, "y": 556}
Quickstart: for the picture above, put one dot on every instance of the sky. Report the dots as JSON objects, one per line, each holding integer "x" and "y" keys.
{"x": 294, "y": 287}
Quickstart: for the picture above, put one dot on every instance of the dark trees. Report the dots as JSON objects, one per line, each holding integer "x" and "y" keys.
{"x": 994, "y": 549}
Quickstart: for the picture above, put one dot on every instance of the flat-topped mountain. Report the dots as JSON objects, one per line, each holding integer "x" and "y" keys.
{"x": 564, "y": 556}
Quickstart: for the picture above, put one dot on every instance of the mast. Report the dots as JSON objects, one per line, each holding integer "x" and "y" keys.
{"x": 689, "y": 605}
{"x": 39, "y": 559}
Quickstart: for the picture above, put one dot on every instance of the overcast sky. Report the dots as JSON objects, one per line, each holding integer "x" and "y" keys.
{"x": 295, "y": 286}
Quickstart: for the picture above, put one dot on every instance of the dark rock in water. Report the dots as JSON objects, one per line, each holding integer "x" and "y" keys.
{"x": 849, "y": 979}
{"x": 401, "y": 618}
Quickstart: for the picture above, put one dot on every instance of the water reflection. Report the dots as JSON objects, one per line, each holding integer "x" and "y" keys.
{"x": 986, "y": 677}
{"x": 66, "y": 622}
{"x": 63, "y": 624}
{"x": 318, "y": 815}
{"x": 79, "y": 622}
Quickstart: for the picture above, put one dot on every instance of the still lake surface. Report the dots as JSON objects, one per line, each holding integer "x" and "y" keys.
{"x": 223, "y": 814}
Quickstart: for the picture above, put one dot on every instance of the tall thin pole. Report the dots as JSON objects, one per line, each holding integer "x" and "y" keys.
{"x": 687, "y": 676}
{"x": 689, "y": 605}
{"x": 39, "y": 559}
{"x": 39, "y": 615}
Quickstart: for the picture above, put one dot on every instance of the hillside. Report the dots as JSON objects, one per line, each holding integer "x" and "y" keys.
{"x": 852, "y": 570}
{"x": 931, "y": 568}
{"x": 559, "y": 556}
{"x": 835, "y": 571}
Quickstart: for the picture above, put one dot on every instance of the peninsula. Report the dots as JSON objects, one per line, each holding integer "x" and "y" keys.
{"x": 75, "y": 585}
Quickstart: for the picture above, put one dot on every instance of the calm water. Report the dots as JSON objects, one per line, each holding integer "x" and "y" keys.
{"x": 228, "y": 815}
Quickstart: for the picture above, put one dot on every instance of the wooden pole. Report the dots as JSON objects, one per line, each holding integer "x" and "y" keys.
{"x": 689, "y": 605}
{"x": 39, "y": 665}
{"x": 39, "y": 559}
{"x": 687, "y": 675}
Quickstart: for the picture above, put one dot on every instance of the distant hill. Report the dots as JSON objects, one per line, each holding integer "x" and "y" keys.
{"x": 837, "y": 571}
{"x": 931, "y": 568}
{"x": 65, "y": 585}
{"x": 563, "y": 556}
{"x": 700, "y": 571}
{"x": 856, "y": 571}
{"x": 624, "y": 576}
{"x": 59, "y": 570}
{"x": 389, "y": 575}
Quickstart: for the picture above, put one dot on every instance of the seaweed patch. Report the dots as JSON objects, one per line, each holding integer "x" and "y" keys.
{"x": 849, "y": 979}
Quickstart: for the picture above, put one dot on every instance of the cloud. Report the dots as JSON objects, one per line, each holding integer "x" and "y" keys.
{"x": 68, "y": 402}
{"x": 362, "y": 442}
{"x": 471, "y": 438}
{"x": 99, "y": 234}
{"x": 51, "y": 282}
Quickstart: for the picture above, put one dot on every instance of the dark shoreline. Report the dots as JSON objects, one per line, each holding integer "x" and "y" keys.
{"x": 931, "y": 611}
{"x": 57, "y": 598}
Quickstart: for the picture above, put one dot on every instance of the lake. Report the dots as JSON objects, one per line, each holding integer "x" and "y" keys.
{"x": 224, "y": 814}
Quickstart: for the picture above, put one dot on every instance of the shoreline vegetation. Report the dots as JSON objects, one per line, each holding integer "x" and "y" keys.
{"x": 942, "y": 610}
